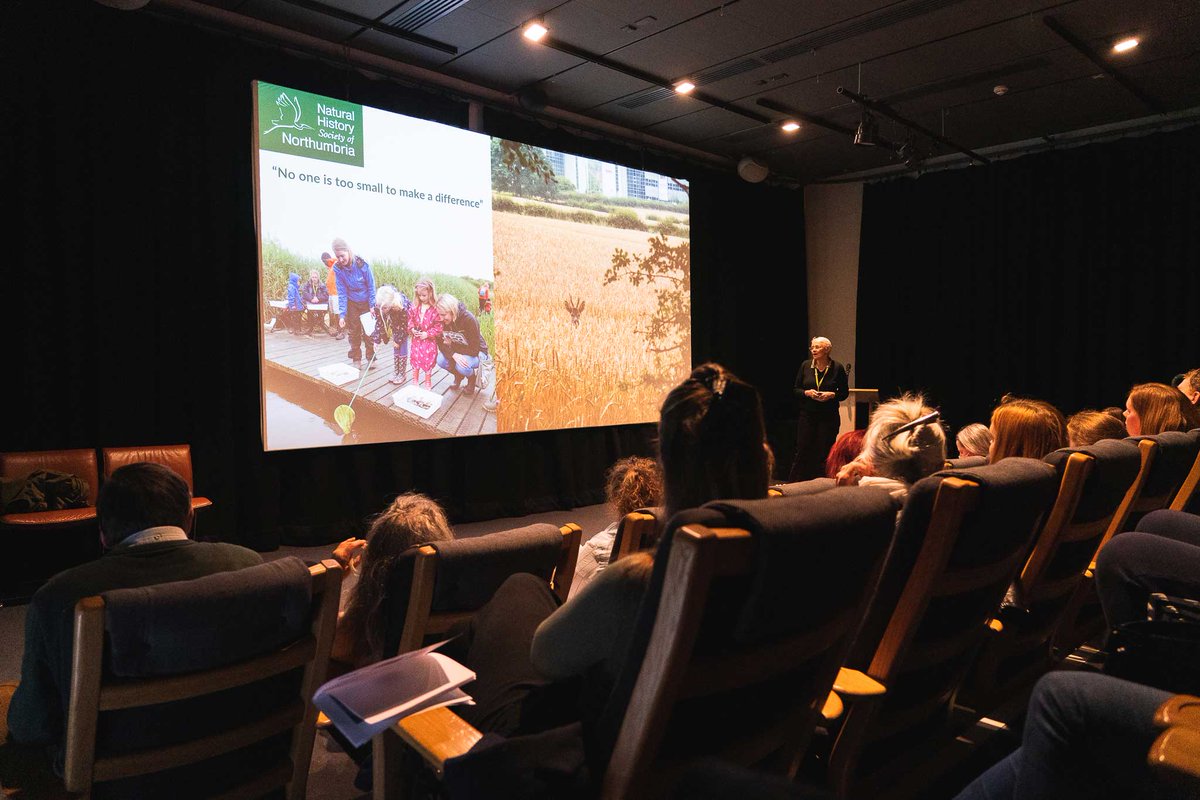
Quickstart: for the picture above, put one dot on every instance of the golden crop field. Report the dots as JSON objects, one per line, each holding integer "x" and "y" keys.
{"x": 550, "y": 373}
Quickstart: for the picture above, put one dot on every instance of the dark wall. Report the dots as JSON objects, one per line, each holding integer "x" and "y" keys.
{"x": 132, "y": 282}
{"x": 1067, "y": 276}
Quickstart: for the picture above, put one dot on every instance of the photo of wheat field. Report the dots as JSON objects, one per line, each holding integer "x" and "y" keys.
{"x": 605, "y": 365}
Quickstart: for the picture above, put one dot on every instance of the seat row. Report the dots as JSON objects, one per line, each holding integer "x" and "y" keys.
{"x": 933, "y": 647}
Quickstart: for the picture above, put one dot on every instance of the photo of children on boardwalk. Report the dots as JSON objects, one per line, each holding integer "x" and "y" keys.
{"x": 402, "y": 350}
{"x": 592, "y": 291}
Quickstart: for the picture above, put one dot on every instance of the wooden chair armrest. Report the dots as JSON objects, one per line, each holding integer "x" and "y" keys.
{"x": 833, "y": 707}
{"x": 436, "y": 735}
{"x": 853, "y": 683}
{"x": 1177, "y": 751}
{"x": 995, "y": 625}
{"x": 1182, "y": 710}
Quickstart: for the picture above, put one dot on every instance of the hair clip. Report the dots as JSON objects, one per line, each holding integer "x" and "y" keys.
{"x": 916, "y": 423}
{"x": 718, "y": 385}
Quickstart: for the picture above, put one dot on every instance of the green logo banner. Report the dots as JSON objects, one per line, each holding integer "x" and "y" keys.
{"x": 309, "y": 125}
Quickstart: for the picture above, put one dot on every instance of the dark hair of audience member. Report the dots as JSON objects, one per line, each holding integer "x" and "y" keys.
{"x": 412, "y": 519}
{"x": 1026, "y": 428}
{"x": 711, "y": 439}
{"x": 1089, "y": 426}
{"x": 1160, "y": 408}
{"x": 633, "y": 483}
{"x": 140, "y": 496}
{"x": 846, "y": 448}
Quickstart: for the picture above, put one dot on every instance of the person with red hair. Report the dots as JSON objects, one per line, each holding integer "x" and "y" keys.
{"x": 845, "y": 449}
{"x": 1026, "y": 428}
{"x": 1152, "y": 408}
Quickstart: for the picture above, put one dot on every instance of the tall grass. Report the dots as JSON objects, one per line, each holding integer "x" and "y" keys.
{"x": 551, "y": 373}
{"x": 278, "y": 261}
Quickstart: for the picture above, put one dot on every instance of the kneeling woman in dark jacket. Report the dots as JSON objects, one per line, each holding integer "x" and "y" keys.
{"x": 461, "y": 343}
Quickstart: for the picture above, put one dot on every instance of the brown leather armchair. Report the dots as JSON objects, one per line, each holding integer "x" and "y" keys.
{"x": 81, "y": 463}
{"x": 176, "y": 456}
{"x": 38, "y": 544}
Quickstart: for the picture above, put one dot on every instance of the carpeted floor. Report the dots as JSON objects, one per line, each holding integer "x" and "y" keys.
{"x": 331, "y": 776}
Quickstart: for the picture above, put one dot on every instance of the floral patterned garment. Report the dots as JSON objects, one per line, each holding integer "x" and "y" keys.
{"x": 423, "y": 354}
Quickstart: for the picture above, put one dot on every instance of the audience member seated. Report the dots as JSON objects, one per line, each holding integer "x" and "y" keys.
{"x": 711, "y": 446}
{"x": 1189, "y": 384}
{"x": 846, "y": 448}
{"x": 1085, "y": 428}
{"x": 904, "y": 443}
{"x": 974, "y": 441}
{"x": 1162, "y": 555}
{"x": 1026, "y": 428}
{"x": 1086, "y": 738}
{"x": 1152, "y": 408}
{"x": 145, "y": 515}
{"x": 631, "y": 483}
{"x": 412, "y": 519}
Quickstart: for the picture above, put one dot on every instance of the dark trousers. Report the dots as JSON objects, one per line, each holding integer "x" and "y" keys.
{"x": 815, "y": 435}
{"x": 1162, "y": 555}
{"x": 510, "y": 696}
{"x": 1086, "y": 736}
{"x": 358, "y": 337}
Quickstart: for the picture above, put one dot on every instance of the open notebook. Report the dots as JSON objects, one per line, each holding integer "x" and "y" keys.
{"x": 368, "y": 700}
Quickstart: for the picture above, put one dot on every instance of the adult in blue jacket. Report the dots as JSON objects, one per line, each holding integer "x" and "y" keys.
{"x": 356, "y": 296}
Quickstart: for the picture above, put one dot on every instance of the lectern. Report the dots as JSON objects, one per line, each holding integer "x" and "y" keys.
{"x": 849, "y": 408}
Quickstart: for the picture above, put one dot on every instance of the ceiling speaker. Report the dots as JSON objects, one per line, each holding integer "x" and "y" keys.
{"x": 752, "y": 171}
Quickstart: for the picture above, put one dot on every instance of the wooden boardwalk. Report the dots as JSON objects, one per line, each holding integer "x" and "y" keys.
{"x": 459, "y": 415}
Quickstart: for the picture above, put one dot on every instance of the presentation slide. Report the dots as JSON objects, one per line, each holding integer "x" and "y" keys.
{"x": 420, "y": 281}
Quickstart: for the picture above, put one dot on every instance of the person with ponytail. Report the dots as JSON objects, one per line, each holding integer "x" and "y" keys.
{"x": 630, "y": 484}
{"x": 905, "y": 442}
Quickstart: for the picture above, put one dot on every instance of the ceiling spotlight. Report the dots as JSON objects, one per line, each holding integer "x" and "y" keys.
{"x": 1125, "y": 45}
{"x": 684, "y": 86}
{"x": 791, "y": 126}
{"x": 534, "y": 31}
{"x": 867, "y": 134}
{"x": 1000, "y": 90}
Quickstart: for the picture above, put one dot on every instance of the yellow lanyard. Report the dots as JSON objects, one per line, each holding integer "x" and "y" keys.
{"x": 821, "y": 377}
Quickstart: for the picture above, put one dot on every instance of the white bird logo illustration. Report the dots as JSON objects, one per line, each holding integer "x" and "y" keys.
{"x": 287, "y": 104}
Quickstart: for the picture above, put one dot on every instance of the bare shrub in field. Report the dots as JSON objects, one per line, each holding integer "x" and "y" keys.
{"x": 550, "y": 373}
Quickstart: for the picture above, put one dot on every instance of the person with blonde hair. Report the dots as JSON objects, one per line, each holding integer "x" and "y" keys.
{"x": 1152, "y": 408}
{"x": 425, "y": 326}
{"x": 821, "y": 384}
{"x": 461, "y": 346}
{"x": 1086, "y": 427}
{"x": 905, "y": 442}
{"x": 391, "y": 323}
{"x": 1026, "y": 428}
{"x": 630, "y": 484}
{"x": 974, "y": 441}
{"x": 411, "y": 519}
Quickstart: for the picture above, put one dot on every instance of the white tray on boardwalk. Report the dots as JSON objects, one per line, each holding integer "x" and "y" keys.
{"x": 416, "y": 400}
{"x": 338, "y": 374}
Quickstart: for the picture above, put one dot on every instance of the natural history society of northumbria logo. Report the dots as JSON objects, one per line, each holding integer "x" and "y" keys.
{"x": 308, "y": 125}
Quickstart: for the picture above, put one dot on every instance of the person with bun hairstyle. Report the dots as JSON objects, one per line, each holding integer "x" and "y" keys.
{"x": 1152, "y": 408}
{"x": 410, "y": 520}
{"x": 904, "y": 443}
{"x": 630, "y": 484}
{"x": 1026, "y": 428}
{"x": 1086, "y": 427}
{"x": 522, "y": 643}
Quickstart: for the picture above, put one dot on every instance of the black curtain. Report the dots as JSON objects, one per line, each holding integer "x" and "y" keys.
{"x": 1067, "y": 276}
{"x": 131, "y": 288}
